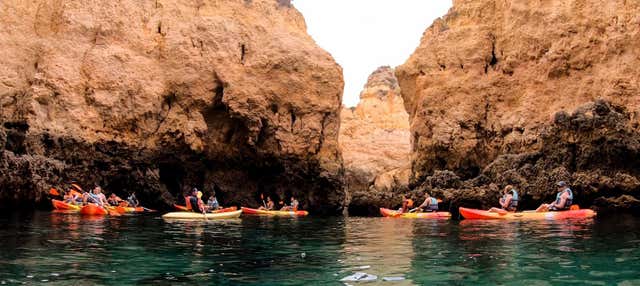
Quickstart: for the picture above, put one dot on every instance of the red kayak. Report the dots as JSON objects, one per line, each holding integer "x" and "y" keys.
{"x": 60, "y": 205}
{"x": 251, "y": 211}
{"x": 181, "y": 208}
{"x": 553, "y": 215}
{"x": 92, "y": 209}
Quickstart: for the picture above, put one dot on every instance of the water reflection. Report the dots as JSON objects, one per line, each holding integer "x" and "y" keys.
{"x": 145, "y": 250}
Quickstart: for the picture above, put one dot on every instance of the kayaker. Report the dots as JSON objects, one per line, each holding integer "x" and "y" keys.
{"x": 293, "y": 206}
{"x": 430, "y": 204}
{"x": 406, "y": 204}
{"x": 72, "y": 197}
{"x": 564, "y": 199}
{"x": 195, "y": 201}
{"x": 212, "y": 203}
{"x": 508, "y": 201}
{"x": 132, "y": 201}
{"x": 270, "y": 205}
{"x": 114, "y": 200}
{"x": 95, "y": 196}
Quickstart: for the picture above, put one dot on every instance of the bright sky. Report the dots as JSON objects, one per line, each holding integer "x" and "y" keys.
{"x": 365, "y": 34}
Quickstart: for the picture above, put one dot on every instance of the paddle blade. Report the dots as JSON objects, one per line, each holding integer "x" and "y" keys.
{"x": 54, "y": 192}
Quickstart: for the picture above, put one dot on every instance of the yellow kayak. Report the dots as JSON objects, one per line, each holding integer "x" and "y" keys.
{"x": 192, "y": 215}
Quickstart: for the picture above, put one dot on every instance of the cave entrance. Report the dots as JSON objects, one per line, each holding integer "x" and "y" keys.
{"x": 172, "y": 175}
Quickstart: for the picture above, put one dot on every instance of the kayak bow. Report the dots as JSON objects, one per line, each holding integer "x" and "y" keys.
{"x": 60, "y": 205}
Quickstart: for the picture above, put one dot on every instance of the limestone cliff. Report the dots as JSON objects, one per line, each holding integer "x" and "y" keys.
{"x": 527, "y": 93}
{"x": 374, "y": 138}
{"x": 155, "y": 95}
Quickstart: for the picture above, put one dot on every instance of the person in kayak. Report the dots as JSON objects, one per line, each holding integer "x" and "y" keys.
{"x": 212, "y": 202}
{"x": 114, "y": 200}
{"x": 270, "y": 205}
{"x": 564, "y": 199}
{"x": 508, "y": 201}
{"x": 430, "y": 204}
{"x": 293, "y": 206}
{"x": 406, "y": 204}
{"x": 95, "y": 196}
{"x": 196, "y": 202}
{"x": 132, "y": 201}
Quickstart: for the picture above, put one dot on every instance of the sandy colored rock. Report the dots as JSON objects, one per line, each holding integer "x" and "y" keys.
{"x": 374, "y": 138}
{"x": 156, "y": 95}
{"x": 526, "y": 93}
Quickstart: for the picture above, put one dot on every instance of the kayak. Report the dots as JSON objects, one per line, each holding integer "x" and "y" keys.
{"x": 431, "y": 215}
{"x": 199, "y": 216}
{"x": 223, "y": 210}
{"x": 181, "y": 208}
{"x": 251, "y": 211}
{"x": 128, "y": 209}
{"x": 482, "y": 214}
{"x": 92, "y": 209}
{"x": 60, "y": 205}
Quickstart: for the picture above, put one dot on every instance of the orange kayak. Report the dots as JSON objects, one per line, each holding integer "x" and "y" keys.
{"x": 251, "y": 211}
{"x": 60, "y": 205}
{"x": 181, "y": 208}
{"x": 92, "y": 209}
{"x": 429, "y": 215}
{"x": 482, "y": 214}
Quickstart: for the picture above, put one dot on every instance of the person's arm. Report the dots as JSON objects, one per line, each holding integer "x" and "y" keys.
{"x": 506, "y": 202}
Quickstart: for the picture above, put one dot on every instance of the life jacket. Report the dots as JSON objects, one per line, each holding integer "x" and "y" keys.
{"x": 187, "y": 202}
{"x": 94, "y": 198}
{"x": 433, "y": 204}
{"x": 514, "y": 199}
{"x": 195, "y": 204}
{"x": 409, "y": 203}
{"x": 569, "y": 200}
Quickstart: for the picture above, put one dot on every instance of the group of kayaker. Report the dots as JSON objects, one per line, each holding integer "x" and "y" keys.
{"x": 430, "y": 204}
{"x": 508, "y": 202}
{"x": 270, "y": 205}
{"x": 77, "y": 196}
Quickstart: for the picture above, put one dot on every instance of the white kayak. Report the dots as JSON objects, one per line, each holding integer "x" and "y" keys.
{"x": 192, "y": 215}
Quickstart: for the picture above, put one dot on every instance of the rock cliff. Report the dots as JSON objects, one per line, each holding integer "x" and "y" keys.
{"x": 374, "y": 138}
{"x": 527, "y": 93}
{"x": 155, "y": 95}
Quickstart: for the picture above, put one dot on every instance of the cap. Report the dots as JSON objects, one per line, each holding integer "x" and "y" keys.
{"x": 561, "y": 184}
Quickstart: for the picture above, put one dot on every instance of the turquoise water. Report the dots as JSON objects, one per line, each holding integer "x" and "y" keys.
{"x": 44, "y": 248}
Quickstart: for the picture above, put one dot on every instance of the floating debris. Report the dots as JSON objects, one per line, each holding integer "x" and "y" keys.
{"x": 360, "y": 277}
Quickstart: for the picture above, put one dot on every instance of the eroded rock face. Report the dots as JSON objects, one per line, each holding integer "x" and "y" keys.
{"x": 526, "y": 93}
{"x": 155, "y": 95}
{"x": 374, "y": 138}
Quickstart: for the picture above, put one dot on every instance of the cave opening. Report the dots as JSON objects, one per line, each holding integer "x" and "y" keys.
{"x": 172, "y": 176}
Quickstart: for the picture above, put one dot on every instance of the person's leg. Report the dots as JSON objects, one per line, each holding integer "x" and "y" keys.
{"x": 543, "y": 208}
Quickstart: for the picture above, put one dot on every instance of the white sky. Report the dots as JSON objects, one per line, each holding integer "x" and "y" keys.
{"x": 365, "y": 34}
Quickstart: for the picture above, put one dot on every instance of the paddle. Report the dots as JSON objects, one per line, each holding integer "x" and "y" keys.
{"x": 263, "y": 203}
{"x": 413, "y": 209}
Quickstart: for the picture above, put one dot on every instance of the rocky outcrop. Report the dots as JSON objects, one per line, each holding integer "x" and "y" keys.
{"x": 155, "y": 95}
{"x": 526, "y": 93}
{"x": 374, "y": 138}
